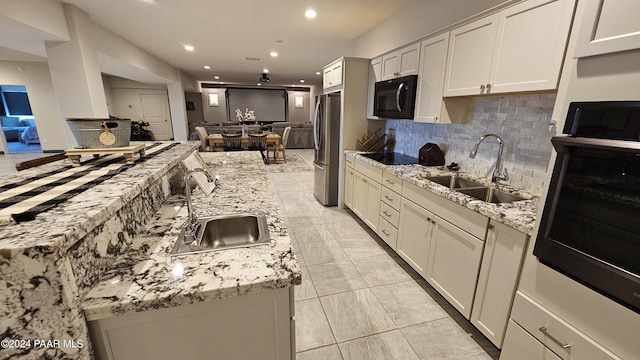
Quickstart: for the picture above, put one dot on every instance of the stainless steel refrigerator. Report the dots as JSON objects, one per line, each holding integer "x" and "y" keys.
{"x": 326, "y": 133}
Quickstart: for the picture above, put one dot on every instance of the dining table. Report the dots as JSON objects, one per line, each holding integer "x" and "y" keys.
{"x": 217, "y": 140}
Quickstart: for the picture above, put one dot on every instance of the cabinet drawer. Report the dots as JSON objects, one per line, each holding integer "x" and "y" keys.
{"x": 369, "y": 171}
{"x": 390, "y": 214}
{"x": 392, "y": 182}
{"x": 387, "y": 232}
{"x": 466, "y": 219}
{"x": 556, "y": 334}
{"x": 391, "y": 198}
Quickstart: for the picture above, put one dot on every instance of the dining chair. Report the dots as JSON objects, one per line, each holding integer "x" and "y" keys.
{"x": 280, "y": 148}
{"x": 258, "y": 141}
{"x": 202, "y": 134}
{"x": 232, "y": 142}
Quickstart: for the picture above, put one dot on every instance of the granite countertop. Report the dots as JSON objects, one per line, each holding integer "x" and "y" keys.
{"x": 150, "y": 278}
{"x": 62, "y": 226}
{"x": 519, "y": 215}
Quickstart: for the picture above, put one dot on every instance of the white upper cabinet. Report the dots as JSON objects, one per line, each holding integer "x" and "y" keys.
{"x": 375, "y": 74}
{"x": 470, "y": 54}
{"x": 401, "y": 62}
{"x": 332, "y": 75}
{"x": 529, "y": 56}
{"x": 608, "y": 26}
{"x": 433, "y": 61}
{"x": 518, "y": 49}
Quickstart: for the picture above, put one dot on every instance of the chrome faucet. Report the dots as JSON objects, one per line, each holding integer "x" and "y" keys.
{"x": 499, "y": 173}
{"x": 192, "y": 223}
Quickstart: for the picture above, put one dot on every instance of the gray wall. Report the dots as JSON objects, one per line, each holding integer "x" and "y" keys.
{"x": 214, "y": 114}
{"x": 522, "y": 121}
{"x": 299, "y": 115}
{"x": 196, "y": 116}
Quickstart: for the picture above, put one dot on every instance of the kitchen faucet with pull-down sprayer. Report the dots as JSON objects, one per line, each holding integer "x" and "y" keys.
{"x": 499, "y": 173}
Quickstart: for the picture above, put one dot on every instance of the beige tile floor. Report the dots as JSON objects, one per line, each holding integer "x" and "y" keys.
{"x": 358, "y": 300}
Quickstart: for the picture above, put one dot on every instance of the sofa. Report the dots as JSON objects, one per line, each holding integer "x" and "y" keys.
{"x": 16, "y": 129}
{"x": 300, "y": 137}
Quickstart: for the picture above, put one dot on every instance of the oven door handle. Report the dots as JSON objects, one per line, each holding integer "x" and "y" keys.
{"x": 605, "y": 144}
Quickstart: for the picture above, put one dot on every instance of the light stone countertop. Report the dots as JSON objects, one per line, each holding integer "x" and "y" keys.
{"x": 150, "y": 278}
{"x": 519, "y": 215}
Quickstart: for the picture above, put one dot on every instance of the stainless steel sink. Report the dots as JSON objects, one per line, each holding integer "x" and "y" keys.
{"x": 454, "y": 182}
{"x": 224, "y": 232}
{"x": 491, "y": 195}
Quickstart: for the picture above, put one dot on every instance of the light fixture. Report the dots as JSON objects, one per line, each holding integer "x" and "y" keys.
{"x": 264, "y": 78}
{"x": 318, "y": 73}
{"x": 274, "y": 54}
{"x": 207, "y": 67}
{"x": 189, "y": 48}
{"x": 265, "y": 71}
{"x": 301, "y": 80}
{"x": 299, "y": 102}
{"x": 217, "y": 77}
{"x": 310, "y": 13}
{"x": 214, "y": 100}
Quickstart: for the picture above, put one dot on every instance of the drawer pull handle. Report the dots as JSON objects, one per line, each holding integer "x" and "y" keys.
{"x": 386, "y": 213}
{"x": 388, "y": 198}
{"x": 390, "y": 182}
{"x": 543, "y": 329}
{"x": 385, "y": 232}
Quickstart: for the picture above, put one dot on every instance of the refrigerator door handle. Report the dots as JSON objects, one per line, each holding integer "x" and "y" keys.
{"x": 315, "y": 126}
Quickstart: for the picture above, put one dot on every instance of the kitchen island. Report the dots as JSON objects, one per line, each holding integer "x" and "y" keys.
{"x": 50, "y": 264}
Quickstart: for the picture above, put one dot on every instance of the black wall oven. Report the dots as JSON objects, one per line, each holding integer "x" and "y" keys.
{"x": 395, "y": 98}
{"x": 590, "y": 226}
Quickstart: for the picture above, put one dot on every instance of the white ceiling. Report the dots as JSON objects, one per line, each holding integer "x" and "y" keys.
{"x": 226, "y": 32}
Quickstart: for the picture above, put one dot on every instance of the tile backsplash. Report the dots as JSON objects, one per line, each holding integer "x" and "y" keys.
{"x": 522, "y": 121}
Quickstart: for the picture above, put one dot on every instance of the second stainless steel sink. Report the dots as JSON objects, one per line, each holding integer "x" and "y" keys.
{"x": 225, "y": 232}
{"x": 491, "y": 195}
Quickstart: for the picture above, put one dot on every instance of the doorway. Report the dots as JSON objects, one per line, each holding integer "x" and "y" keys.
{"x": 19, "y": 131}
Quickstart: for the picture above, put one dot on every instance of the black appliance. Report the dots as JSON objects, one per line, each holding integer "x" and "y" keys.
{"x": 391, "y": 158}
{"x": 590, "y": 226}
{"x": 430, "y": 155}
{"x": 395, "y": 98}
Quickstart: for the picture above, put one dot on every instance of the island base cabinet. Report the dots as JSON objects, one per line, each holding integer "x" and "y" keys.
{"x": 253, "y": 326}
{"x": 454, "y": 262}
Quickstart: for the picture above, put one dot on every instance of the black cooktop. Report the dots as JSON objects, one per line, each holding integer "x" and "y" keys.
{"x": 391, "y": 158}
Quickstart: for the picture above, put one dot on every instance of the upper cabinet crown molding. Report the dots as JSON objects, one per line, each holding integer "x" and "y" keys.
{"x": 521, "y": 48}
{"x": 607, "y": 27}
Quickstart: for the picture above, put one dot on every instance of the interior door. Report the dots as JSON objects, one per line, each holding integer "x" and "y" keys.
{"x": 155, "y": 109}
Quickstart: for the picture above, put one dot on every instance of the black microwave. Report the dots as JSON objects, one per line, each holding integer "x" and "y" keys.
{"x": 395, "y": 98}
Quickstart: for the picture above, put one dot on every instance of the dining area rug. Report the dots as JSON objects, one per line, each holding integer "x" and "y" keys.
{"x": 295, "y": 163}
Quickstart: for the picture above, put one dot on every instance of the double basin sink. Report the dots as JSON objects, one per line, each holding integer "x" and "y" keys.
{"x": 474, "y": 189}
{"x": 224, "y": 232}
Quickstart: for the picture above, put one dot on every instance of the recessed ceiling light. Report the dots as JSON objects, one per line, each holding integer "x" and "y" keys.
{"x": 274, "y": 54}
{"x": 259, "y": 84}
{"x": 216, "y": 77}
{"x": 265, "y": 70}
{"x": 318, "y": 73}
{"x": 189, "y": 48}
{"x": 310, "y": 13}
{"x": 207, "y": 67}
{"x": 301, "y": 80}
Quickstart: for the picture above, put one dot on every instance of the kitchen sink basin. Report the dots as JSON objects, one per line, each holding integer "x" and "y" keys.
{"x": 454, "y": 182}
{"x": 491, "y": 195}
{"x": 224, "y": 232}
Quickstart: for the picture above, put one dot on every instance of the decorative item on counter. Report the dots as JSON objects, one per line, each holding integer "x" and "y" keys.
{"x": 453, "y": 166}
{"x": 431, "y": 155}
{"x": 372, "y": 141}
{"x": 98, "y": 133}
{"x": 243, "y": 118}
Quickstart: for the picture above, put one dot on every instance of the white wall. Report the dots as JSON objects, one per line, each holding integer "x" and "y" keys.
{"x": 417, "y": 20}
{"x": 37, "y": 79}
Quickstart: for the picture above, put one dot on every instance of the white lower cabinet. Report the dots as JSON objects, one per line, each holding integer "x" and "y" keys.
{"x": 454, "y": 261}
{"x": 253, "y": 326}
{"x": 348, "y": 187}
{"x": 523, "y": 346}
{"x": 365, "y": 197}
{"x": 536, "y": 333}
{"x": 501, "y": 264}
{"x": 414, "y": 235}
{"x": 372, "y": 208}
{"x": 387, "y": 232}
